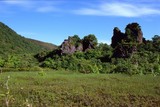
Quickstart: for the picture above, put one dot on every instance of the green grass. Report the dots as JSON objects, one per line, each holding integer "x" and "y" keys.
{"x": 66, "y": 89}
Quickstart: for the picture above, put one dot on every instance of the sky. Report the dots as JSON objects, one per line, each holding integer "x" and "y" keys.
{"x": 54, "y": 20}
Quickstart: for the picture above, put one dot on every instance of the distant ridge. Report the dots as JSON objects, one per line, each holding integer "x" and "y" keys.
{"x": 12, "y": 43}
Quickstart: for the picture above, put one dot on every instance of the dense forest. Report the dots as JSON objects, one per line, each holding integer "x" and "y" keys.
{"x": 129, "y": 53}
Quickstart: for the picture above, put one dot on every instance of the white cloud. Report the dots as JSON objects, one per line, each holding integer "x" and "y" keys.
{"x": 37, "y": 6}
{"x": 119, "y": 9}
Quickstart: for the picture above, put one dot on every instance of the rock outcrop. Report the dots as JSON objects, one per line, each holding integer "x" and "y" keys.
{"x": 71, "y": 45}
{"x": 125, "y": 44}
{"x": 74, "y": 44}
{"x": 118, "y": 36}
{"x": 134, "y": 32}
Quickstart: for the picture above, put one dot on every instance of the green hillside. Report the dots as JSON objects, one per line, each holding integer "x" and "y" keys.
{"x": 48, "y": 46}
{"x": 12, "y": 43}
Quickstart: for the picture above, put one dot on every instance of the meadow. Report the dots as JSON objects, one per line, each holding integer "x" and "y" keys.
{"x": 70, "y": 89}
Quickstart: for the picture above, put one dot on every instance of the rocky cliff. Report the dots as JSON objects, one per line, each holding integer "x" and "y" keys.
{"x": 125, "y": 44}
{"x": 74, "y": 44}
{"x": 71, "y": 45}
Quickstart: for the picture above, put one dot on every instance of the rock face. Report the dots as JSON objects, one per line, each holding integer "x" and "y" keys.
{"x": 67, "y": 48}
{"x": 70, "y": 46}
{"x": 124, "y": 44}
{"x": 134, "y": 31}
{"x": 118, "y": 36}
{"x": 74, "y": 44}
{"x": 87, "y": 45}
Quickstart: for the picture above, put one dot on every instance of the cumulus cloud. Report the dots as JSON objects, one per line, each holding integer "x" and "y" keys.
{"x": 119, "y": 9}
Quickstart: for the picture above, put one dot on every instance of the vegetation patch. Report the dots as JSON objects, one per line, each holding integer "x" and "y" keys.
{"x": 63, "y": 88}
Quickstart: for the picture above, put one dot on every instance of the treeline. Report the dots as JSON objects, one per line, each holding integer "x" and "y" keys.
{"x": 100, "y": 59}
{"x": 129, "y": 53}
{"x": 19, "y": 62}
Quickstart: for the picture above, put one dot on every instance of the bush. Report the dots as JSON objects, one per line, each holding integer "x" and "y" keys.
{"x": 49, "y": 63}
{"x": 107, "y": 68}
{"x": 125, "y": 66}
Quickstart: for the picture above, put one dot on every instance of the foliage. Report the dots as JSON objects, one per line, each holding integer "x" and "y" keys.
{"x": 99, "y": 60}
{"x": 19, "y": 62}
{"x": 79, "y": 61}
{"x": 18, "y": 53}
{"x": 75, "y": 40}
{"x": 125, "y": 66}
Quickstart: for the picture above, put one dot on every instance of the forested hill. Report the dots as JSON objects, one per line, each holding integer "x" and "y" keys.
{"x": 12, "y": 43}
{"x": 48, "y": 46}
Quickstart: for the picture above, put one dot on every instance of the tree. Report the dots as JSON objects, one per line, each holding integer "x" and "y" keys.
{"x": 49, "y": 63}
{"x": 156, "y": 38}
{"x": 74, "y": 40}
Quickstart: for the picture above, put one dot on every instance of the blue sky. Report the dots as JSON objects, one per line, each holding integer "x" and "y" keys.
{"x": 54, "y": 20}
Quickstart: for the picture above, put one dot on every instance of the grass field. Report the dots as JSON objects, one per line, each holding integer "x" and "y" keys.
{"x": 66, "y": 89}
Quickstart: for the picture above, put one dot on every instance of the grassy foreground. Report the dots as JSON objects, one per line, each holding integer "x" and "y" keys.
{"x": 64, "y": 89}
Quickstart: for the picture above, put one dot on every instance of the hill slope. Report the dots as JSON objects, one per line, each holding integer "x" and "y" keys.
{"x": 48, "y": 46}
{"x": 12, "y": 43}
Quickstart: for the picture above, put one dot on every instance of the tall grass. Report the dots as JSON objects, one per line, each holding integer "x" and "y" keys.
{"x": 66, "y": 89}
